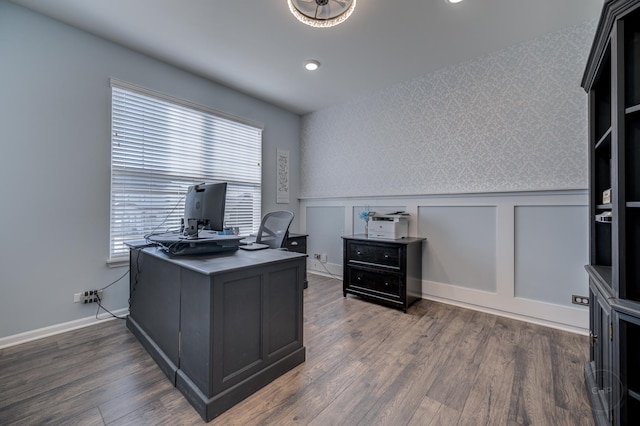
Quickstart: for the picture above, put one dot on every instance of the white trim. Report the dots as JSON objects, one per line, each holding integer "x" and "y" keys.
{"x": 322, "y": 274}
{"x": 559, "y": 312}
{"x": 118, "y": 261}
{"x": 51, "y": 330}
{"x": 511, "y": 315}
{"x": 332, "y": 270}
{"x": 503, "y": 300}
{"x": 557, "y": 316}
{"x": 515, "y": 193}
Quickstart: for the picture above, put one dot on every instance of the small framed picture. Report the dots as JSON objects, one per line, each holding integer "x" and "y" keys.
{"x": 282, "y": 175}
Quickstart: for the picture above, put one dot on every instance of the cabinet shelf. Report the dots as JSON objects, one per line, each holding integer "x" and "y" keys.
{"x": 605, "y": 139}
{"x": 633, "y": 204}
{"x": 604, "y": 273}
{"x": 632, "y": 109}
{"x": 628, "y": 307}
{"x": 604, "y": 206}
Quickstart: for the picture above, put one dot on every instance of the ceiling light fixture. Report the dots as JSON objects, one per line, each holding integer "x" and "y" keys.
{"x": 454, "y": 1}
{"x": 312, "y": 65}
{"x": 322, "y": 13}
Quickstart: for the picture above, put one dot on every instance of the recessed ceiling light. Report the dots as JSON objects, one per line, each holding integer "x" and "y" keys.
{"x": 453, "y": 1}
{"x": 312, "y": 65}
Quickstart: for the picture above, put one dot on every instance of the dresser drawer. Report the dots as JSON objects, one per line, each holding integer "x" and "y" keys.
{"x": 374, "y": 254}
{"x": 376, "y": 282}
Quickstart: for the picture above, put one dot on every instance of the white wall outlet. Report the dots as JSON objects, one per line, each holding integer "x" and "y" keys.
{"x": 579, "y": 300}
{"x": 88, "y": 296}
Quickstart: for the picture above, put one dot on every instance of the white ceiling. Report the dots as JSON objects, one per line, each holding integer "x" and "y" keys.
{"x": 258, "y": 47}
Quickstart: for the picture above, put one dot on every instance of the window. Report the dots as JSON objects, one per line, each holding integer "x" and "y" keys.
{"x": 160, "y": 146}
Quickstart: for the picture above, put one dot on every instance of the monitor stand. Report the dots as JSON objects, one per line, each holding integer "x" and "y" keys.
{"x": 207, "y": 242}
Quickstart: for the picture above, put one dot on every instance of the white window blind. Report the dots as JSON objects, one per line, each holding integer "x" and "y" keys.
{"x": 160, "y": 146}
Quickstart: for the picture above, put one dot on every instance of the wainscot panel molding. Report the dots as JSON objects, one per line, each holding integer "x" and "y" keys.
{"x": 515, "y": 254}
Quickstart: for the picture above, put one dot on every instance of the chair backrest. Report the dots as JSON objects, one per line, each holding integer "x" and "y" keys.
{"x": 274, "y": 228}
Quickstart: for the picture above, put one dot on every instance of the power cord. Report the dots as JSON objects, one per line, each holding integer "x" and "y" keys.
{"x": 146, "y": 236}
{"x": 109, "y": 285}
{"x": 100, "y": 306}
{"x": 135, "y": 281}
{"x": 106, "y": 310}
{"x": 329, "y": 272}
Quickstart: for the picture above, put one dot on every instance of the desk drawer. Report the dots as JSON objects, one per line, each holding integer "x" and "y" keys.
{"x": 376, "y": 283}
{"x": 374, "y": 254}
{"x": 297, "y": 244}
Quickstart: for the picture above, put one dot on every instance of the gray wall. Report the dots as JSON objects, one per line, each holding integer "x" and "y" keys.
{"x": 489, "y": 156}
{"x": 55, "y": 162}
{"x": 324, "y": 224}
{"x": 513, "y": 120}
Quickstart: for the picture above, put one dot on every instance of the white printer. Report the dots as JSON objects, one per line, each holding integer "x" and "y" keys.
{"x": 392, "y": 226}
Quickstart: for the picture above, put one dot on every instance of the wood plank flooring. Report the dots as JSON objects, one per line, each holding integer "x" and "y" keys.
{"x": 366, "y": 364}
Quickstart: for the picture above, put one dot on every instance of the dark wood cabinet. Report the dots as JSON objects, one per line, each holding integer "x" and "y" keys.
{"x": 381, "y": 270}
{"x": 298, "y": 244}
{"x": 612, "y": 80}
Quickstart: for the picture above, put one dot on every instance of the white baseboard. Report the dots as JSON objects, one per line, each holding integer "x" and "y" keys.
{"x": 51, "y": 330}
{"x": 575, "y": 320}
{"x": 532, "y": 320}
{"x": 554, "y": 316}
{"x": 332, "y": 270}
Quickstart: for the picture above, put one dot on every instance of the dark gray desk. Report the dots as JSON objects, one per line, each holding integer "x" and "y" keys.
{"x": 222, "y": 326}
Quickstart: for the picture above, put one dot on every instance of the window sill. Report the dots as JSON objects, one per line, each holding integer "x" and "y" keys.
{"x": 117, "y": 262}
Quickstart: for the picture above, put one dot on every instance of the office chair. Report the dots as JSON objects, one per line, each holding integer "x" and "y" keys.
{"x": 274, "y": 228}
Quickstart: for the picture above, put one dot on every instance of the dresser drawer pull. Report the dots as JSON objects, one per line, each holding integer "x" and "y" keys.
{"x": 386, "y": 255}
{"x": 358, "y": 252}
{"x": 294, "y": 243}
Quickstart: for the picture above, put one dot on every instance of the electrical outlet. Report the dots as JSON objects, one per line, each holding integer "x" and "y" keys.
{"x": 88, "y": 296}
{"x": 317, "y": 256}
{"x": 579, "y": 300}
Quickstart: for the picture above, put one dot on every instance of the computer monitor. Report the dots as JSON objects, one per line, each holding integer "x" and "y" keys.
{"x": 204, "y": 207}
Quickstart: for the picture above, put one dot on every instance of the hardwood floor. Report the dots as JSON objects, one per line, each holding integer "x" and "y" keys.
{"x": 366, "y": 364}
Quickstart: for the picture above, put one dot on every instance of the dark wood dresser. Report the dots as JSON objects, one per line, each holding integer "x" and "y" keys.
{"x": 383, "y": 270}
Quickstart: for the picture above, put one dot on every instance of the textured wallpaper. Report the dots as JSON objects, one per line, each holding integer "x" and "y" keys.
{"x": 514, "y": 120}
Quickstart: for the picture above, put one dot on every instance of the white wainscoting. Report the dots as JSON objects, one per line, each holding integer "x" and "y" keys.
{"x": 519, "y": 254}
